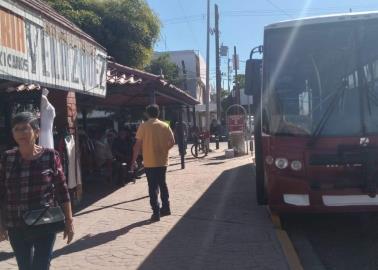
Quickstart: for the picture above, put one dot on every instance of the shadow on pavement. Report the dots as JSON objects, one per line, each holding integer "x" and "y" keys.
{"x": 94, "y": 190}
{"x": 175, "y": 170}
{"x": 221, "y": 157}
{"x": 5, "y": 255}
{"x": 109, "y": 206}
{"x": 224, "y": 229}
{"x": 179, "y": 163}
{"x": 90, "y": 241}
{"x": 213, "y": 163}
{"x": 190, "y": 158}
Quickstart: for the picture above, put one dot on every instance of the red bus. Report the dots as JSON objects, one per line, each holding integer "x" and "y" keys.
{"x": 316, "y": 114}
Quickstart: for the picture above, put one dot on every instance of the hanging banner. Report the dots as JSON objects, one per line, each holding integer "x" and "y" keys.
{"x": 35, "y": 50}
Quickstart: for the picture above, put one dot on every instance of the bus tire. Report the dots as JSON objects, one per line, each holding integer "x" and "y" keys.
{"x": 261, "y": 189}
{"x": 261, "y": 195}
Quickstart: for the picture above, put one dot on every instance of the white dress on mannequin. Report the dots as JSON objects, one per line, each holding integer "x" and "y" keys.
{"x": 46, "y": 138}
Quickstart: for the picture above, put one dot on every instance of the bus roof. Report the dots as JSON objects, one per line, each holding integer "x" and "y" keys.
{"x": 325, "y": 19}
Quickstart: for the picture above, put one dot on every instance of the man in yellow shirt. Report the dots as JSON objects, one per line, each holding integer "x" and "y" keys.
{"x": 155, "y": 138}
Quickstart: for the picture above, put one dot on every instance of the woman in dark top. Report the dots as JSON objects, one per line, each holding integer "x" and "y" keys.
{"x": 26, "y": 176}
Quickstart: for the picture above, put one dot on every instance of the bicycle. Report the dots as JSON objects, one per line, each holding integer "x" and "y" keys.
{"x": 199, "y": 148}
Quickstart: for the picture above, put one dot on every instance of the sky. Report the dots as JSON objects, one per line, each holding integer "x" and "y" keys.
{"x": 241, "y": 22}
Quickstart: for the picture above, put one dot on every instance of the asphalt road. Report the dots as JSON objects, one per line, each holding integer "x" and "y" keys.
{"x": 335, "y": 241}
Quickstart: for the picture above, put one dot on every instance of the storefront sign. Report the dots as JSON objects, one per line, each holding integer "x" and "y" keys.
{"x": 236, "y": 123}
{"x": 34, "y": 50}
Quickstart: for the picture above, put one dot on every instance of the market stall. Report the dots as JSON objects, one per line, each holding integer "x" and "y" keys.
{"x": 41, "y": 49}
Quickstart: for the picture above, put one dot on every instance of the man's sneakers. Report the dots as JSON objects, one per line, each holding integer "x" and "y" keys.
{"x": 165, "y": 212}
{"x": 155, "y": 217}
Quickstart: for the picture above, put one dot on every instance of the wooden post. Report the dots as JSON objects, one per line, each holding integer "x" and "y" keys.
{"x": 163, "y": 112}
{"x": 153, "y": 97}
{"x": 194, "y": 117}
{"x": 195, "y": 128}
{"x": 181, "y": 139}
{"x": 188, "y": 115}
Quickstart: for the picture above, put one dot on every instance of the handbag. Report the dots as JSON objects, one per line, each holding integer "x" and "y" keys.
{"x": 50, "y": 219}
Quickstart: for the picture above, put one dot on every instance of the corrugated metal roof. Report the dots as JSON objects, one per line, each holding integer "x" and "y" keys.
{"x": 162, "y": 86}
{"x": 45, "y": 10}
{"x": 136, "y": 92}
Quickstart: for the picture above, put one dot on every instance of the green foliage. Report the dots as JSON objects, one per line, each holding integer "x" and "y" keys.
{"x": 128, "y": 29}
{"x": 162, "y": 65}
{"x": 224, "y": 94}
{"x": 227, "y": 101}
{"x": 241, "y": 80}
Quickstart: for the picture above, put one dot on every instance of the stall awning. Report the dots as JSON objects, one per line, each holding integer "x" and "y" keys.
{"x": 134, "y": 88}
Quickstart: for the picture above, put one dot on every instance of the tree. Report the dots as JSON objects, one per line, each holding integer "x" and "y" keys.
{"x": 128, "y": 29}
{"x": 227, "y": 100}
{"x": 162, "y": 65}
{"x": 241, "y": 80}
{"x": 224, "y": 94}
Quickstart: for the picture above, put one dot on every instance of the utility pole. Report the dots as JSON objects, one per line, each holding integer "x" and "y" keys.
{"x": 207, "y": 94}
{"x": 217, "y": 64}
{"x": 237, "y": 92}
{"x": 185, "y": 84}
{"x": 228, "y": 73}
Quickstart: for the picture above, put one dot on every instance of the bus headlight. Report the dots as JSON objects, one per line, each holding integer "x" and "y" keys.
{"x": 296, "y": 165}
{"x": 281, "y": 163}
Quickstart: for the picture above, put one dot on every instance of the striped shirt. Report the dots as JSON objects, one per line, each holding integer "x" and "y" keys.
{"x": 29, "y": 184}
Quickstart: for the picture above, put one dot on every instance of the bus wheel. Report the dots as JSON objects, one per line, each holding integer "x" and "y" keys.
{"x": 262, "y": 197}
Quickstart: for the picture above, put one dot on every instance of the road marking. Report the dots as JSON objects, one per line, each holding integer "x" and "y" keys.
{"x": 289, "y": 250}
{"x": 286, "y": 244}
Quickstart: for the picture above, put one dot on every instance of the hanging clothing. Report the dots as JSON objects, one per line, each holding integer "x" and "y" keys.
{"x": 60, "y": 146}
{"x": 78, "y": 171}
{"x": 47, "y": 112}
{"x": 74, "y": 173}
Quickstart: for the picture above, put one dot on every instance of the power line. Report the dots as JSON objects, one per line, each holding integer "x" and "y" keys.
{"x": 186, "y": 18}
{"x": 164, "y": 39}
{"x": 188, "y": 23}
{"x": 277, "y": 7}
{"x": 262, "y": 13}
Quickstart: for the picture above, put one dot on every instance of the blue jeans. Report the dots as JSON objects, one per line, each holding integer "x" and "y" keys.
{"x": 32, "y": 253}
{"x": 156, "y": 181}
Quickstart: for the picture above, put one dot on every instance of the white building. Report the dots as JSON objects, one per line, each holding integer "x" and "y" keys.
{"x": 192, "y": 68}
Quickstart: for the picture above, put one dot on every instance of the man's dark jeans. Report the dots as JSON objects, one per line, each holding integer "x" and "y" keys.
{"x": 156, "y": 181}
{"x": 32, "y": 253}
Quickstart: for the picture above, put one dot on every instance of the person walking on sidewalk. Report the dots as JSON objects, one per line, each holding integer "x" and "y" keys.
{"x": 155, "y": 138}
{"x": 27, "y": 174}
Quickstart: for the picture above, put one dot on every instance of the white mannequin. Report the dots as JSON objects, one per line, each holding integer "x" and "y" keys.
{"x": 47, "y": 120}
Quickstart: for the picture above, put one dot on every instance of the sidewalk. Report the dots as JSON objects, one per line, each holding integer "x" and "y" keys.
{"x": 215, "y": 224}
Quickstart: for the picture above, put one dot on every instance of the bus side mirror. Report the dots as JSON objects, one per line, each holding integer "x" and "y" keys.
{"x": 253, "y": 78}
{"x": 253, "y": 81}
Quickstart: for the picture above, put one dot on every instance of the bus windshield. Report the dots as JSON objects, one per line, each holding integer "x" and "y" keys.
{"x": 324, "y": 72}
